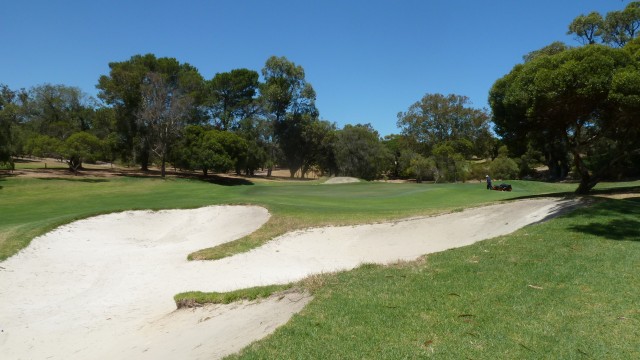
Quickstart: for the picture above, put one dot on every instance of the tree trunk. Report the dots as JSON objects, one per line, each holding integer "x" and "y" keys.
{"x": 587, "y": 182}
{"x": 162, "y": 168}
{"x": 144, "y": 157}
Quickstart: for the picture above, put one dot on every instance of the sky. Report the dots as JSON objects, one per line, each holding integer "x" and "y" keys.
{"x": 368, "y": 60}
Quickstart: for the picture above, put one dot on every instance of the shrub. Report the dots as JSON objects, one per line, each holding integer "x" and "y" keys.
{"x": 504, "y": 168}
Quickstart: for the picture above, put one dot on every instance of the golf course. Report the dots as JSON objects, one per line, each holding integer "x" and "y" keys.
{"x": 563, "y": 286}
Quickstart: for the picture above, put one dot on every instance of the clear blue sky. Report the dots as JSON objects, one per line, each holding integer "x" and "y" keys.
{"x": 366, "y": 59}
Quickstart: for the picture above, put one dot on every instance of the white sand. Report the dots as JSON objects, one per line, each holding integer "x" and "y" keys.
{"x": 102, "y": 288}
{"x": 341, "y": 180}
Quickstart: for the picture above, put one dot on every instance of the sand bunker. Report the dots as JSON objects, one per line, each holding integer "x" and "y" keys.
{"x": 102, "y": 288}
{"x": 341, "y": 180}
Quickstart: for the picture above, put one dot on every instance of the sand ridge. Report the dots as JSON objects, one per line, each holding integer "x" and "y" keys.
{"x": 102, "y": 287}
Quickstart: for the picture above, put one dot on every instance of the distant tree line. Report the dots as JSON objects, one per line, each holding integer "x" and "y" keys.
{"x": 574, "y": 109}
{"x": 159, "y": 111}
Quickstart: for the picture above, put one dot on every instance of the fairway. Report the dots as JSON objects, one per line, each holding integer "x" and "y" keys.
{"x": 33, "y": 206}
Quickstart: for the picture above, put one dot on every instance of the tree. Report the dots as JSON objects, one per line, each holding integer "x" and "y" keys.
{"x": 360, "y": 153}
{"x": 321, "y": 137}
{"x": 209, "y": 150}
{"x": 503, "y": 167}
{"x": 163, "y": 113}
{"x": 58, "y": 110}
{"x": 396, "y": 145}
{"x": 551, "y": 49}
{"x": 587, "y": 28}
{"x": 231, "y": 97}
{"x": 257, "y": 132}
{"x": 622, "y": 26}
{"x": 451, "y": 164}
{"x": 437, "y": 118}
{"x": 285, "y": 89}
{"x": 616, "y": 28}
{"x": 9, "y": 119}
{"x": 586, "y": 98}
{"x": 288, "y": 97}
{"x": 80, "y": 147}
{"x": 45, "y": 146}
{"x": 423, "y": 167}
{"x": 122, "y": 90}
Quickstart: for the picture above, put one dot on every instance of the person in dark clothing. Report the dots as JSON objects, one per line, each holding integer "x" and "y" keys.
{"x": 489, "y": 187}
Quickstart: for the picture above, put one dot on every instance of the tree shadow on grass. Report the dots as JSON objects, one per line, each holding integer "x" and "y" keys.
{"x": 226, "y": 181}
{"x": 84, "y": 180}
{"x": 615, "y": 219}
{"x": 571, "y": 194}
{"x": 627, "y": 230}
{"x": 211, "y": 178}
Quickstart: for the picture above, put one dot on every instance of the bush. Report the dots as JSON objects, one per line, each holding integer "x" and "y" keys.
{"x": 503, "y": 168}
{"x": 479, "y": 170}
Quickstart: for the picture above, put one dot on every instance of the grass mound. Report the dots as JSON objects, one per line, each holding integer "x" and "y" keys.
{"x": 193, "y": 299}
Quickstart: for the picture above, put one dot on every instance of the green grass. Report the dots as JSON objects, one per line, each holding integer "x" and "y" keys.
{"x": 198, "y": 298}
{"x": 566, "y": 289}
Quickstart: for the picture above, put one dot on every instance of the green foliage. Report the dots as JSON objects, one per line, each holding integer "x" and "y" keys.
{"x": 360, "y": 153}
{"x": 123, "y": 90}
{"x": 401, "y": 153}
{"x": 81, "y": 147}
{"x": 44, "y": 146}
{"x": 437, "y": 119}
{"x": 451, "y": 164}
{"x": 209, "y": 150}
{"x": 285, "y": 89}
{"x": 198, "y": 298}
{"x": 616, "y": 28}
{"x": 503, "y": 167}
{"x": 291, "y": 134}
{"x": 258, "y": 133}
{"x": 290, "y": 99}
{"x": 423, "y": 168}
{"x": 163, "y": 113}
{"x": 478, "y": 170}
{"x": 231, "y": 97}
{"x": 588, "y": 28}
{"x": 529, "y": 161}
{"x": 8, "y": 122}
{"x": 58, "y": 110}
{"x": 571, "y": 102}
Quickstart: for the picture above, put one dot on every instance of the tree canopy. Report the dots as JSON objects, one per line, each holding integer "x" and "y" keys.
{"x": 586, "y": 99}
{"x": 123, "y": 90}
{"x": 616, "y": 28}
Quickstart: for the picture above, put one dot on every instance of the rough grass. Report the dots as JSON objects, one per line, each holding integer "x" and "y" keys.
{"x": 566, "y": 289}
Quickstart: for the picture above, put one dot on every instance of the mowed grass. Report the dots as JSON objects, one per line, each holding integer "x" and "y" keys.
{"x": 32, "y": 206}
{"x": 565, "y": 289}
